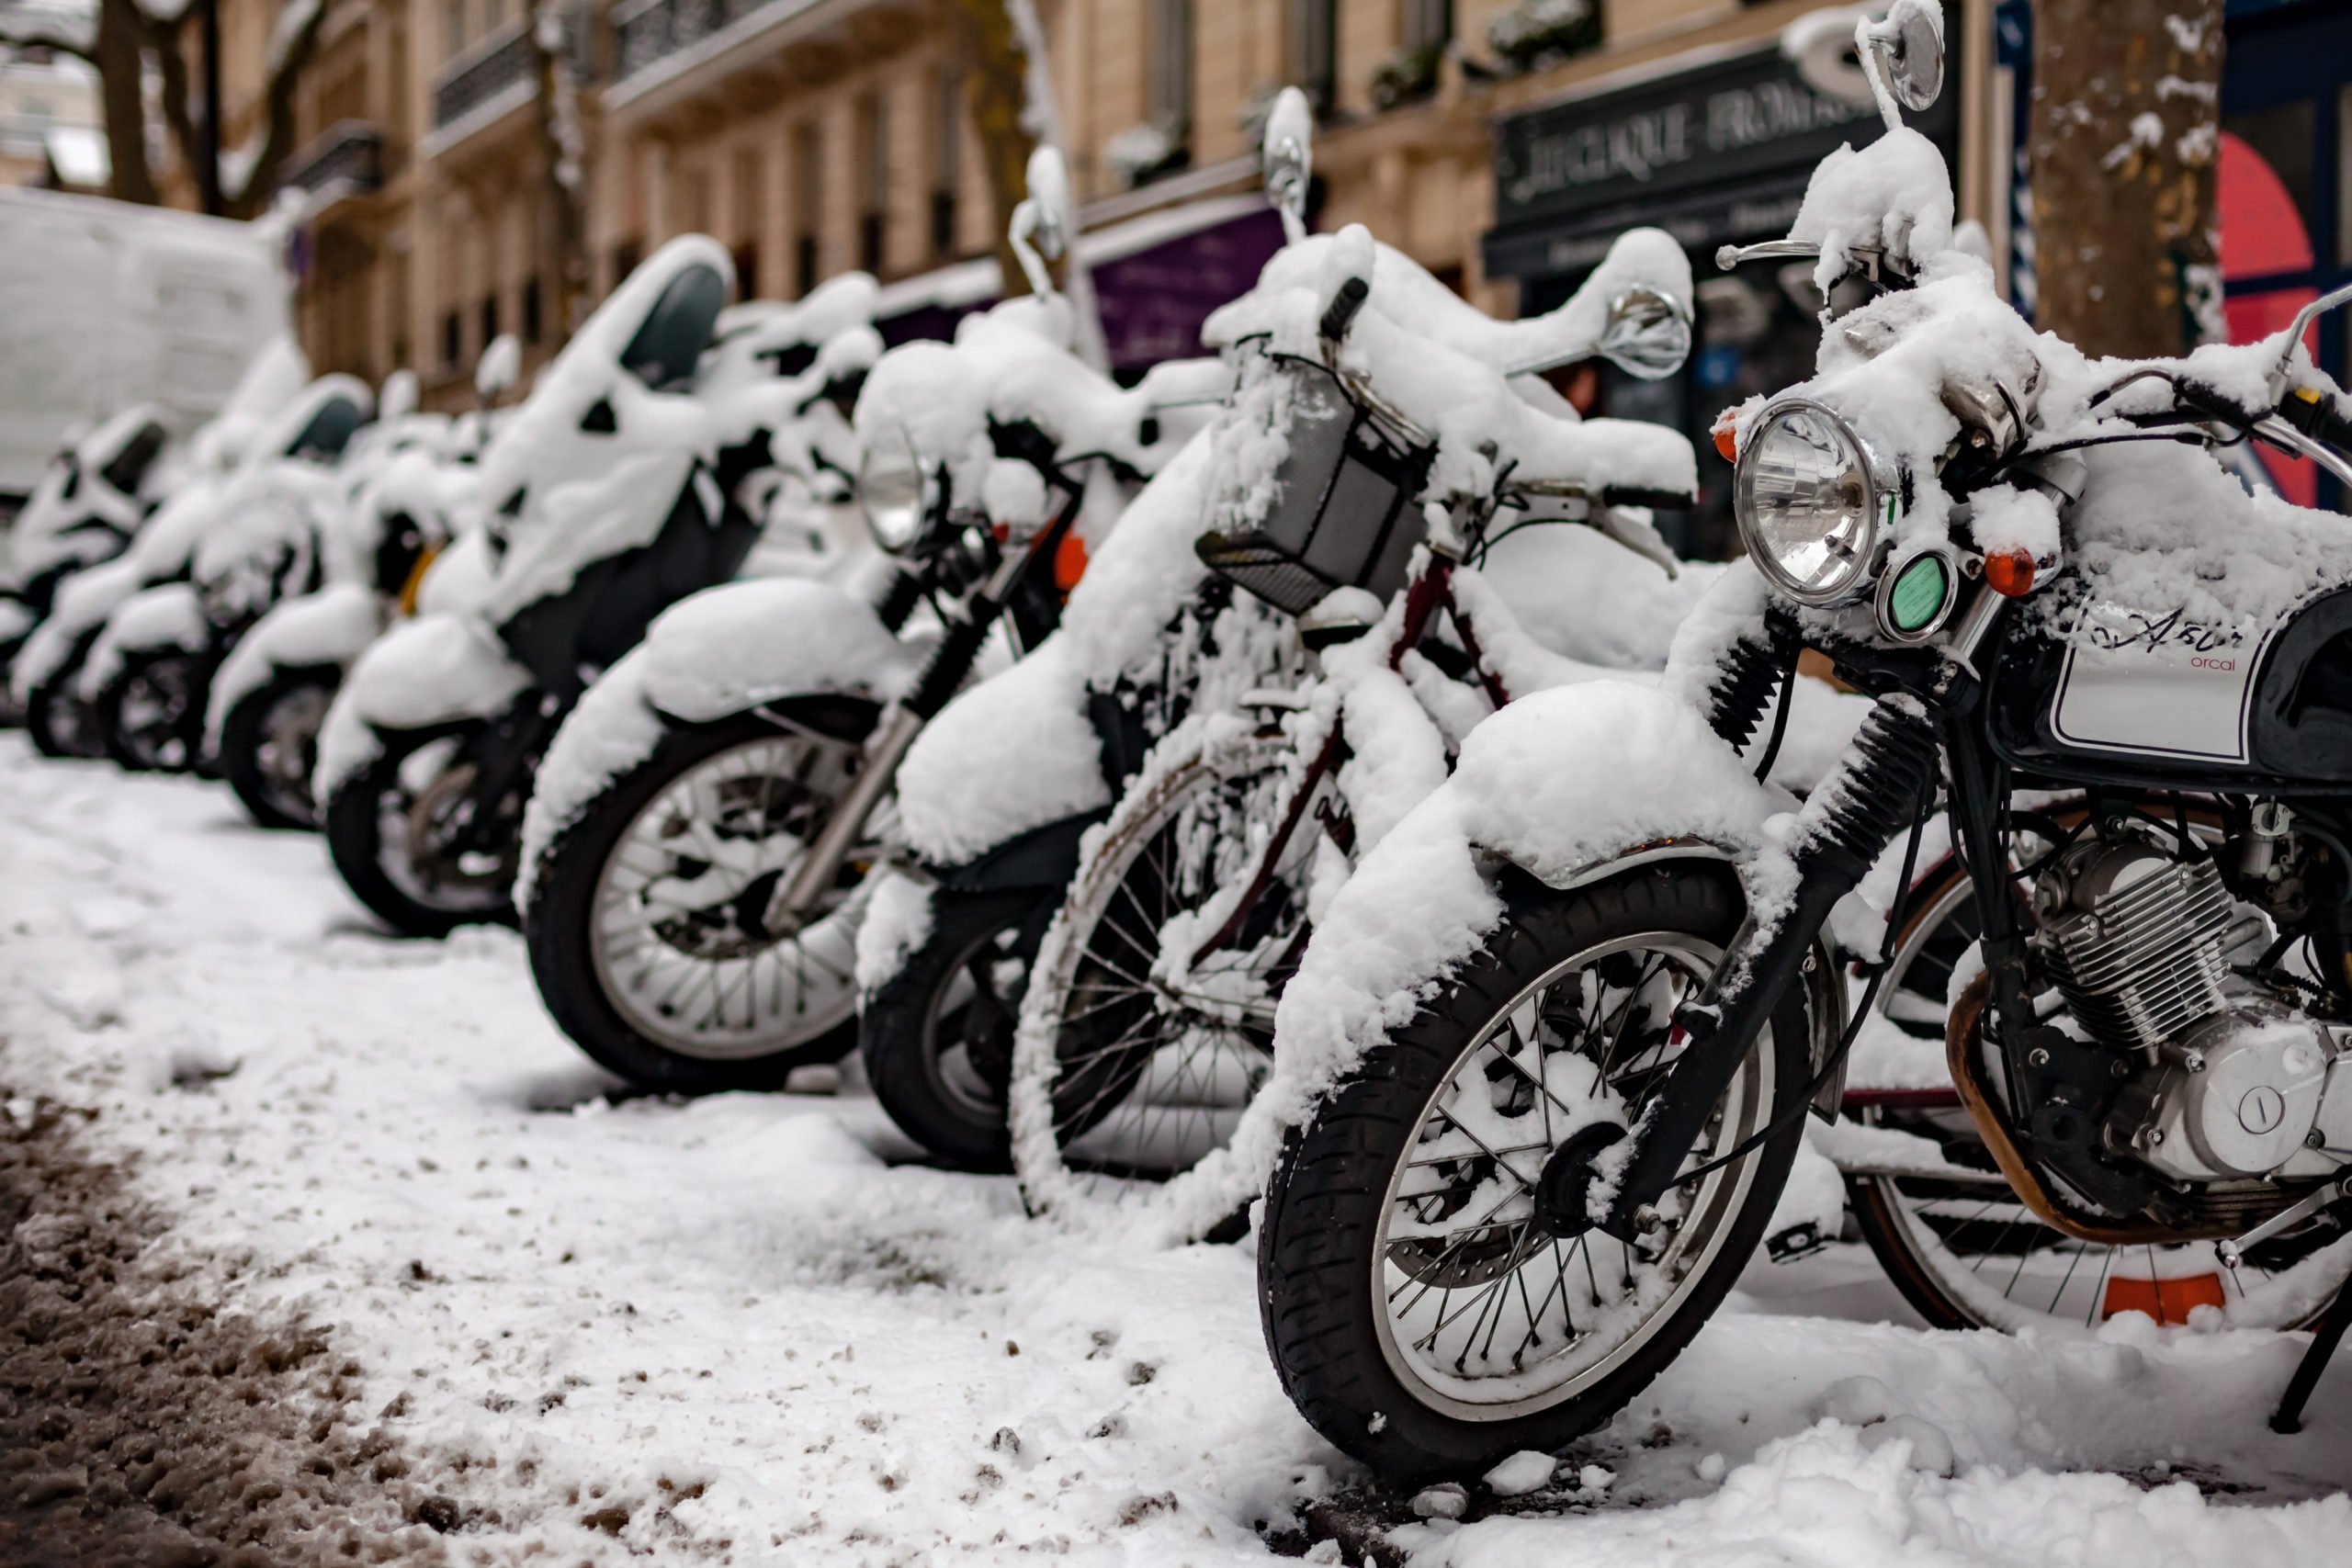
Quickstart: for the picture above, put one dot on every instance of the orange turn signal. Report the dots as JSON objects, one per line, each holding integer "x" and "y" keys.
{"x": 1069, "y": 562}
{"x": 2010, "y": 572}
{"x": 1727, "y": 441}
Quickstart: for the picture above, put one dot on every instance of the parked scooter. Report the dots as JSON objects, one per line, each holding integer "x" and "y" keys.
{"x": 638, "y": 471}
{"x": 1535, "y": 1136}
{"x": 381, "y": 557}
{"x": 308, "y": 427}
{"x": 700, "y": 844}
{"x": 993, "y": 832}
{"x": 84, "y": 511}
{"x": 144, "y": 678}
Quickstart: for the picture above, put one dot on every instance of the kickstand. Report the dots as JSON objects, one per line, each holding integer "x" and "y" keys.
{"x": 2287, "y": 1419}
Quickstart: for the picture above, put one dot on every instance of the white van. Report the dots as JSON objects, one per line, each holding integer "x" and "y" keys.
{"x": 104, "y": 304}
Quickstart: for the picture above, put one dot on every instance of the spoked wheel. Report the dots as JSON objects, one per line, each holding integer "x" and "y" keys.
{"x": 150, "y": 715}
{"x": 649, "y": 928}
{"x": 1967, "y": 1253}
{"x": 1149, "y": 1019}
{"x": 397, "y": 830}
{"x": 937, "y": 1036}
{"x": 269, "y": 745}
{"x": 1432, "y": 1291}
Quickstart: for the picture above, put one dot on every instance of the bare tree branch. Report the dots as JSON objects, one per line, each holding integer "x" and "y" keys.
{"x": 252, "y": 195}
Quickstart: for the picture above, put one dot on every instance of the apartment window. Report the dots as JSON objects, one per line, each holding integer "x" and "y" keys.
{"x": 489, "y": 319}
{"x": 1312, "y": 48}
{"x": 873, "y": 178}
{"x": 453, "y": 346}
{"x": 1169, "y": 88}
{"x": 533, "y": 322}
{"x": 947, "y": 154}
{"x": 807, "y": 204}
{"x": 746, "y": 257}
{"x": 1426, "y": 25}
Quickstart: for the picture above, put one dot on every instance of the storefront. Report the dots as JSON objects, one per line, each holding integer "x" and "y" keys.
{"x": 1715, "y": 154}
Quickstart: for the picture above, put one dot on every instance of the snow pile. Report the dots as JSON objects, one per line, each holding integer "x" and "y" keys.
{"x": 331, "y": 627}
{"x": 169, "y": 616}
{"x": 1894, "y": 195}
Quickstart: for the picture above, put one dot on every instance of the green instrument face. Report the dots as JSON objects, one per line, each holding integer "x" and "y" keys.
{"x": 1919, "y": 594}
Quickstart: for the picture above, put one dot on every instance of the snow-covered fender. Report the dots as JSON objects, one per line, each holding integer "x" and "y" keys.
{"x": 83, "y": 604}
{"x": 433, "y": 671}
{"x": 722, "y": 651}
{"x": 169, "y": 616}
{"x": 331, "y": 628}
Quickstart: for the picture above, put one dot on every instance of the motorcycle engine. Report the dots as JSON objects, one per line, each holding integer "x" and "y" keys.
{"x": 2223, "y": 1078}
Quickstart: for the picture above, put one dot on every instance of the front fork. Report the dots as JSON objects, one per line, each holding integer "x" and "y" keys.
{"x": 1881, "y": 784}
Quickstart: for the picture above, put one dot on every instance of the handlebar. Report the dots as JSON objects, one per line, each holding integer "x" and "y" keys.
{"x": 1345, "y": 304}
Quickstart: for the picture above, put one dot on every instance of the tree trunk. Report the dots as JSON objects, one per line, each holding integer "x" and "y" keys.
{"x": 2124, "y": 142}
{"x": 278, "y": 119}
{"x": 121, "y": 35}
{"x": 997, "y": 71}
{"x": 563, "y": 151}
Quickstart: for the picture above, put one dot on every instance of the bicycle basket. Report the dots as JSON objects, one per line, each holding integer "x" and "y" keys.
{"x": 1344, "y": 512}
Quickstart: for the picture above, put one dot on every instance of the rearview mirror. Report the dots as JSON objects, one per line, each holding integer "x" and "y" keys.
{"x": 1647, "y": 334}
{"x": 1904, "y": 55}
{"x": 1288, "y": 158}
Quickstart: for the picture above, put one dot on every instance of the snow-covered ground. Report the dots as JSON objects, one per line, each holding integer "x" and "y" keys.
{"x": 737, "y": 1331}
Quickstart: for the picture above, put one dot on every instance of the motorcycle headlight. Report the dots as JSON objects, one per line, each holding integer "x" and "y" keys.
{"x": 893, "y": 489}
{"x": 1807, "y": 495}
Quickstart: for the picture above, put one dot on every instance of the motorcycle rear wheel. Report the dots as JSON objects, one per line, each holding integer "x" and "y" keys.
{"x": 648, "y": 945}
{"x": 1562, "y": 1019}
{"x": 62, "y": 726}
{"x": 150, "y": 714}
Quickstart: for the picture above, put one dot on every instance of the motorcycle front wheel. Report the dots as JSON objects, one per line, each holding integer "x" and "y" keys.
{"x": 936, "y": 1038}
{"x": 393, "y": 831}
{"x": 269, "y": 745}
{"x": 62, "y": 726}
{"x": 150, "y": 714}
{"x": 1427, "y": 1309}
{"x": 647, "y": 927}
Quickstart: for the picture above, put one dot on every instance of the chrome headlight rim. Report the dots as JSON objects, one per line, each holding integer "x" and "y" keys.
{"x": 896, "y": 520}
{"x": 1878, "y": 480}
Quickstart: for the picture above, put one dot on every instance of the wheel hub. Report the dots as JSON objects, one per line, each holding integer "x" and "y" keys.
{"x": 1564, "y": 1190}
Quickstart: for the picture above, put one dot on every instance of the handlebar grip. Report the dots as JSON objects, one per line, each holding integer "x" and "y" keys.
{"x": 2314, "y": 413}
{"x": 1341, "y": 312}
{"x": 1655, "y": 499}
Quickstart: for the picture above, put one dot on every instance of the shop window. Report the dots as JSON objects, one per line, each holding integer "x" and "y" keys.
{"x": 489, "y": 319}
{"x": 534, "y": 321}
{"x": 745, "y": 178}
{"x": 1170, "y": 84}
{"x": 807, "y": 204}
{"x": 452, "y": 339}
{"x": 747, "y": 269}
{"x": 1311, "y": 50}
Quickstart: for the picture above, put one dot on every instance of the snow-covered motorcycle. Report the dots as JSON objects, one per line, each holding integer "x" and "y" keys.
{"x": 638, "y": 470}
{"x": 1540, "y": 1125}
{"x": 378, "y": 549}
{"x": 698, "y": 845}
{"x": 239, "y": 457}
{"x": 1153, "y": 635}
{"x": 85, "y": 510}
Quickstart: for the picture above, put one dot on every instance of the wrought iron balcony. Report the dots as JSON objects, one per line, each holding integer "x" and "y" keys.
{"x": 650, "y": 30}
{"x": 496, "y": 64}
{"x": 349, "y": 152}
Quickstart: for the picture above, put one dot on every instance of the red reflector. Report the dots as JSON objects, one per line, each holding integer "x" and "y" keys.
{"x": 2010, "y": 572}
{"x": 1727, "y": 441}
{"x": 2169, "y": 1301}
{"x": 1069, "y": 562}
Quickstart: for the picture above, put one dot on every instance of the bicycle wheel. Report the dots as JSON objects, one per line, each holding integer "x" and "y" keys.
{"x": 1149, "y": 1018}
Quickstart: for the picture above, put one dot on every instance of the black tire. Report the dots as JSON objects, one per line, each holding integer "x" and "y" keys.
{"x": 62, "y": 726}
{"x": 150, "y": 714}
{"x": 353, "y": 822}
{"x": 251, "y": 735}
{"x": 556, "y": 928}
{"x": 909, "y": 1028}
{"x": 1324, "y": 1203}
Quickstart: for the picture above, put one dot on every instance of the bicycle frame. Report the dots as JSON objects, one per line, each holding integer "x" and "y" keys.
{"x": 1430, "y": 591}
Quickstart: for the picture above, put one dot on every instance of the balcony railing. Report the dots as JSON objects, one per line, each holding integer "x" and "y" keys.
{"x": 649, "y": 31}
{"x": 495, "y": 65}
{"x": 349, "y": 152}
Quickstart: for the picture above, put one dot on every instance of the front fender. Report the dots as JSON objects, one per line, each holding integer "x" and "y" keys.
{"x": 83, "y": 604}
{"x": 331, "y": 627}
{"x": 432, "y": 671}
{"x": 168, "y": 617}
